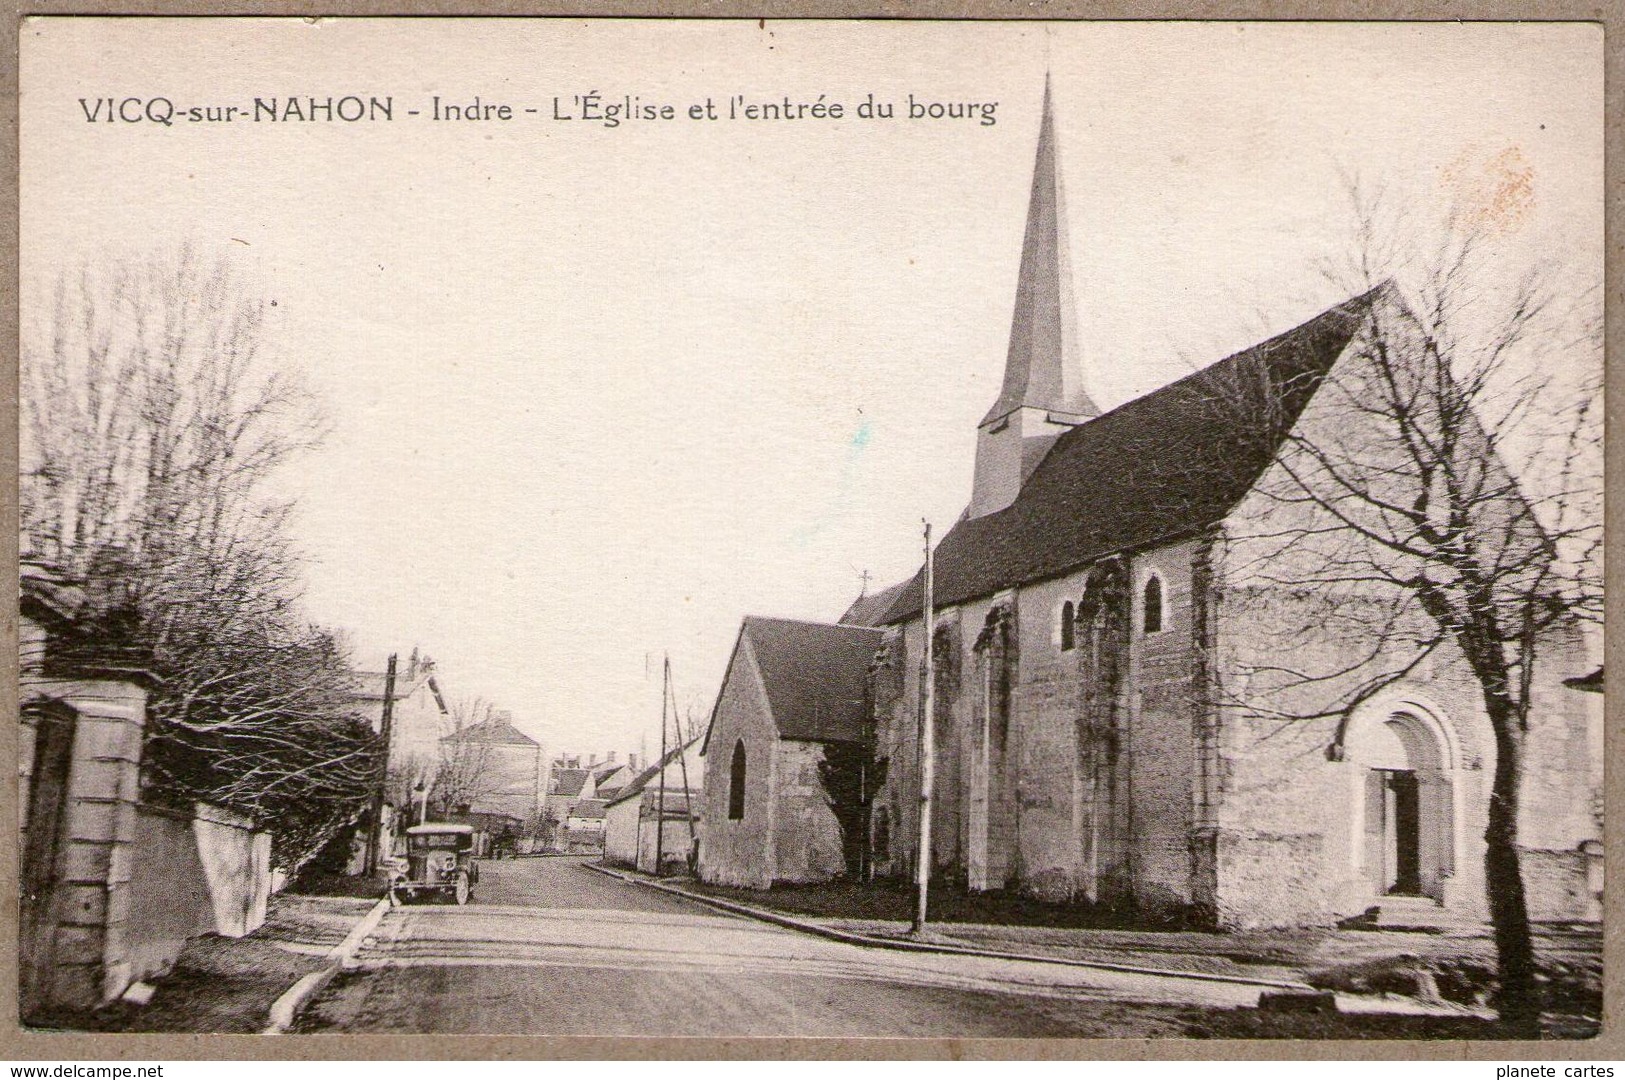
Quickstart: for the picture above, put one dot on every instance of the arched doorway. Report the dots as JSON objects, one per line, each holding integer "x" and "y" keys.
{"x": 1404, "y": 821}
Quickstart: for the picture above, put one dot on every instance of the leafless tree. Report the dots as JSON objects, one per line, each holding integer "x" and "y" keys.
{"x": 153, "y": 419}
{"x": 466, "y": 769}
{"x": 1442, "y": 495}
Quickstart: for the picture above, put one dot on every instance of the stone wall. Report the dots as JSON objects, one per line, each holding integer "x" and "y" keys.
{"x": 806, "y": 836}
{"x": 740, "y": 852}
{"x": 236, "y": 859}
{"x": 170, "y": 901}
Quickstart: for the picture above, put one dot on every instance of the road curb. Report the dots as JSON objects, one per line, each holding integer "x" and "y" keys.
{"x": 870, "y": 941}
{"x": 286, "y": 1008}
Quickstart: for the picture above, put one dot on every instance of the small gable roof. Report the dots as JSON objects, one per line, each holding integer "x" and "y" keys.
{"x": 815, "y": 675}
{"x": 1164, "y": 465}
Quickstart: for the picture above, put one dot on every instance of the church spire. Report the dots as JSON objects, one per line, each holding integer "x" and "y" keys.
{"x": 1042, "y": 369}
{"x": 1042, "y": 395}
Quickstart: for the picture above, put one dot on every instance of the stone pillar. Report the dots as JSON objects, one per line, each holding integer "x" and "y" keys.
{"x": 91, "y": 902}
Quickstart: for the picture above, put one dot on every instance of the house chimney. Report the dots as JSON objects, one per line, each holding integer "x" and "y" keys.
{"x": 611, "y": 758}
{"x": 592, "y": 761}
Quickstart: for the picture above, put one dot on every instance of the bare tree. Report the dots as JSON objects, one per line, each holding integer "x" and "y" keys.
{"x": 153, "y": 418}
{"x": 1391, "y": 531}
{"x": 466, "y": 770}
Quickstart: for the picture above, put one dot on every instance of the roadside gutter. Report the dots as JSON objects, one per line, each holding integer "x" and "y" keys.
{"x": 286, "y": 1008}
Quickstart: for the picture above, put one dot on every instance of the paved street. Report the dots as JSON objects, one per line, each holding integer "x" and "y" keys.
{"x": 550, "y": 947}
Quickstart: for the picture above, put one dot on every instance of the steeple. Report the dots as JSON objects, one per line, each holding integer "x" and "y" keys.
{"x": 1042, "y": 394}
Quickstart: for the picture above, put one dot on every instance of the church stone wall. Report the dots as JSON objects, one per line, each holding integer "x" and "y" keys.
{"x": 740, "y": 852}
{"x": 1046, "y": 707}
{"x": 1162, "y": 724}
{"x": 806, "y": 835}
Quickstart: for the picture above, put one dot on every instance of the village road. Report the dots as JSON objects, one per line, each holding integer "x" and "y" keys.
{"x": 550, "y": 947}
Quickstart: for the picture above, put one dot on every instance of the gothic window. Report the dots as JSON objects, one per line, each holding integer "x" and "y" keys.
{"x": 1069, "y": 627}
{"x": 1153, "y": 604}
{"x": 736, "y": 783}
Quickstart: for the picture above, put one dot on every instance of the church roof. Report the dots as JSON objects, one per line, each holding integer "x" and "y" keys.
{"x": 868, "y": 609}
{"x": 815, "y": 675}
{"x": 1164, "y": 465}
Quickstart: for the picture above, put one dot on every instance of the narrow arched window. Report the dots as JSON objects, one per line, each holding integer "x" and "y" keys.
{"x": 736, "y": 783}
{"x": 1069, "y": 628}
{"x": 1153, "y": 604}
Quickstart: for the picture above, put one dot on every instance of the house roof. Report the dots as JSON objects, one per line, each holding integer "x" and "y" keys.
{"x": 497, "y": 730}
{"x": 1164, "y": 465}
{"x": 815, "y": 675}
{"x": 568, "y": 781}
{"x": 369, "y": 686}
{"x": 652, "y": 773}
{"x": 588, "y": 809}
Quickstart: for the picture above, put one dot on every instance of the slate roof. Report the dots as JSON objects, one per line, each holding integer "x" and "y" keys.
{"x": 1164, "y": 465}
{"x": 815, "y": 675}
{"x": 588, "y": 809}
{"x": 498, "y": 730}
{"x": 652, "y": 773}
{"x": 868, "y": 610}
{"x": 568, "y": 781}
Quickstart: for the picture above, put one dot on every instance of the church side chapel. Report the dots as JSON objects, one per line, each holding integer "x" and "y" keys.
{"x": 1111, "y": 725}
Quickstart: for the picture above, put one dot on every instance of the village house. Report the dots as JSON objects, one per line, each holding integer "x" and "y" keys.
{"x": 418, "y": 713}
{"x": 654, "y": 821}
{"x": 583, "y": 831}
{"x": 1100, "y": 734}
{"x": 493, "y": 768}
{"x": 790, "y": 690}
{"x": 572, "y": 779}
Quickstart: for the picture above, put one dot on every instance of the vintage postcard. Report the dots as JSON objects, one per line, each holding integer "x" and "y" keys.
{"x": 659, "y": 528}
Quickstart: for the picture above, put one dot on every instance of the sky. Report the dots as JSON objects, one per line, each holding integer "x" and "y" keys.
{"x": 598, "y": 392}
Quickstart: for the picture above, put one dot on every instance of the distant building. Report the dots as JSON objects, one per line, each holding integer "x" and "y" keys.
{"x": 641, "y": 821}
{"x": 790, "y": 690}
{"x": 419, "y": 717}
{"x": 497, "y": 768}
{"x": 583, "y": 832}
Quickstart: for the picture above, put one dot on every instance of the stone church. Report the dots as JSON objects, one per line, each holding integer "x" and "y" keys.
{"x": 1097, "y": 727}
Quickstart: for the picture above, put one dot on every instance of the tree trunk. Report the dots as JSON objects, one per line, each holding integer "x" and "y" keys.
{"x": 1519, "y": 1000}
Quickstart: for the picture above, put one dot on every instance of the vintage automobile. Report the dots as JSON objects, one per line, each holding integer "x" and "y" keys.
{"x": 439, "y": 862}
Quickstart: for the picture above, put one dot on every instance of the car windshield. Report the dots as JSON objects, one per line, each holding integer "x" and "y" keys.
{"x": 438, "y": 841}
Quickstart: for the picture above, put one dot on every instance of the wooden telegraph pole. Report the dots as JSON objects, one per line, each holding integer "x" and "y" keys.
{"x": 928, "y": 697}
{"x": 660, "y": 808}
{"x": 376, "y": 828}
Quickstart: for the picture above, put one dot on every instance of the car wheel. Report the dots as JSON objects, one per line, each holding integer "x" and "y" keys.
{"x": 461, "y": 890}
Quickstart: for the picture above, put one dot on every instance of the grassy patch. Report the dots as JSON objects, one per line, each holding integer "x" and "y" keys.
{"x": 893, "y": 901}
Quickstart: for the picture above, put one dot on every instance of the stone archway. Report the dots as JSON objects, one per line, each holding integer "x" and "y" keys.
{"x": 1404, "y": 765}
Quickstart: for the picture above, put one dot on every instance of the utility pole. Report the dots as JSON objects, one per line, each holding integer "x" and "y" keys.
{"x": 660, "y": 806}
{"x": 683, "y": 739}
{"x": 375, "y": 830}
{"x": 922, "y": 860}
